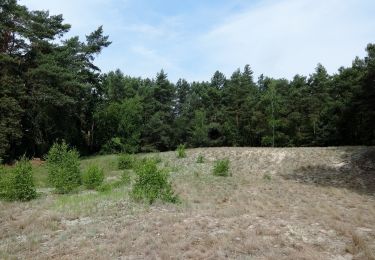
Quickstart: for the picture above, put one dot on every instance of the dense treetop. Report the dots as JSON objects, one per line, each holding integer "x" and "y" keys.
{"x": 50, "y": 89}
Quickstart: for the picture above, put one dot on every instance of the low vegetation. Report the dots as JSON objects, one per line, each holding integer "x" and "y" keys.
{"x": 319, "y": 204}
{"x": 63, "y": 168}
{"x": 221, "y": 168}
{"x": 200, "y": 158}
{"x": 17, "y": 183}
{"x": 181, "y": 153}
{"x": 126, "y": 161}
{"x": 93, "y": 177}
{"x": 152, "y": 184}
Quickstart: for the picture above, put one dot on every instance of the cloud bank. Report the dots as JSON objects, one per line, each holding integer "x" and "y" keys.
{"x": 193, "y": 39}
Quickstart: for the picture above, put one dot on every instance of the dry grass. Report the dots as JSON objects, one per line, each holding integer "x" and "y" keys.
{"x": 318, "y": 203}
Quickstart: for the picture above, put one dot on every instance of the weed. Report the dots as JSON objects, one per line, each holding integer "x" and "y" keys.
{"x": 105, "y": 187}
{"x": 181, "y": 153}
{"x": 200, "y": 159}
{"x": 221, "y": 168}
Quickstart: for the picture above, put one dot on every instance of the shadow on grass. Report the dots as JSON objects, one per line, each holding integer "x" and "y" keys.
{"x": 356, "y": 172}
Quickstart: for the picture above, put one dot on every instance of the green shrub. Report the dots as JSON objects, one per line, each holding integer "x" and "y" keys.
{"x": 93, "y": 177}
{"x": 181, "y": 153}
{"x": 200, "y": 159}
{"x": 126, "y": 161}
{"x": 63, "y": 168}
{"x": 18, "y": 183}
{"x": 221, "y": 168}
{"x": 152, "y": 183}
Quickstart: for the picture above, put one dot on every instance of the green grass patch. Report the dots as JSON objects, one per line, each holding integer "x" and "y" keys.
{"x": 181, "y": 153}
{"x": 200, "y": 158}
{"x": 221, "y": 168}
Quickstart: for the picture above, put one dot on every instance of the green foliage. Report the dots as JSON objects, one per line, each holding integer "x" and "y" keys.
{"x": 181, "y": 153}
{"x": 93, "y": 177}
{"x": 105, "y": 187}
{"x": 119, "y": 126}
{"x": 200, "y": 158}
{"x": 221, "y": 168}
{"x": 126, "y": 161}
{"x": 152, "y": 184}
{"x": 199, "y": 129}
{"x": 63, "y": 168}
{"x": 55, "y": 90}
{"x": 18, "y": 183}
{"x": 114, "y": 145}
{"x": 125, "y": 177}
{"x": 3, "y": 180}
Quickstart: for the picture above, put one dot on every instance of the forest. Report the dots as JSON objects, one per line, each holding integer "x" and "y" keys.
{"x": 51, "y": 89}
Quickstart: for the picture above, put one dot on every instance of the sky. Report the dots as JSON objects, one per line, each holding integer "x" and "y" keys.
{"x": 192, "y": 39}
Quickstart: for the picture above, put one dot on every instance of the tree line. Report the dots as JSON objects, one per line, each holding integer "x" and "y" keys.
{"x": 50, "y": 89}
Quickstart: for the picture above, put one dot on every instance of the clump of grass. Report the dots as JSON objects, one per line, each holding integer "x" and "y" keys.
{"x": 221, "y": 168}
{"x": 93, "y": 177}
{"x": 126, "y": 161}
{"x": 152, "y": 184}
{"x": 156, "y": 158}
{"x": 125, "y": 177}
{"x": 63, "y": 168}
{"x": 200, "y": 158}
{"x": 18, "y": 183}
{"x": 267, "y": 177}
{"x": 181, "y": 153}
{"x": 105, "y": 187}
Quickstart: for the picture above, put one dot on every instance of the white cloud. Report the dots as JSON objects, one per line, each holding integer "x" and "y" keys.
{"x": 282, "y": 38}
{"x": 276, "y": 37}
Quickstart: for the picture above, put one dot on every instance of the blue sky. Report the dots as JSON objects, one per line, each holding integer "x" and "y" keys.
{"x": 193, "y": 38}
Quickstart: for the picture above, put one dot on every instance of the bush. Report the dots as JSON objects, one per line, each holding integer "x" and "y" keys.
{"x": 200, "y": 159}
{"x": 93, "y": 177}
{"x": 63, "y": 168}
{"x": 221, "y": 168}
{"x": 152, "y": 183}
{"x": 126, "y": 161}
{"x": 181, "y": 153}
{"x": 18, "y": 183}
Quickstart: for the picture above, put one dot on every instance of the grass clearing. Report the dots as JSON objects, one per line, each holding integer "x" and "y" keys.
{"x": 315, "y": 203}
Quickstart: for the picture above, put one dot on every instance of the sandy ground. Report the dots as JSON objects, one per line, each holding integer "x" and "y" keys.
{"x": 279, "y": 203}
